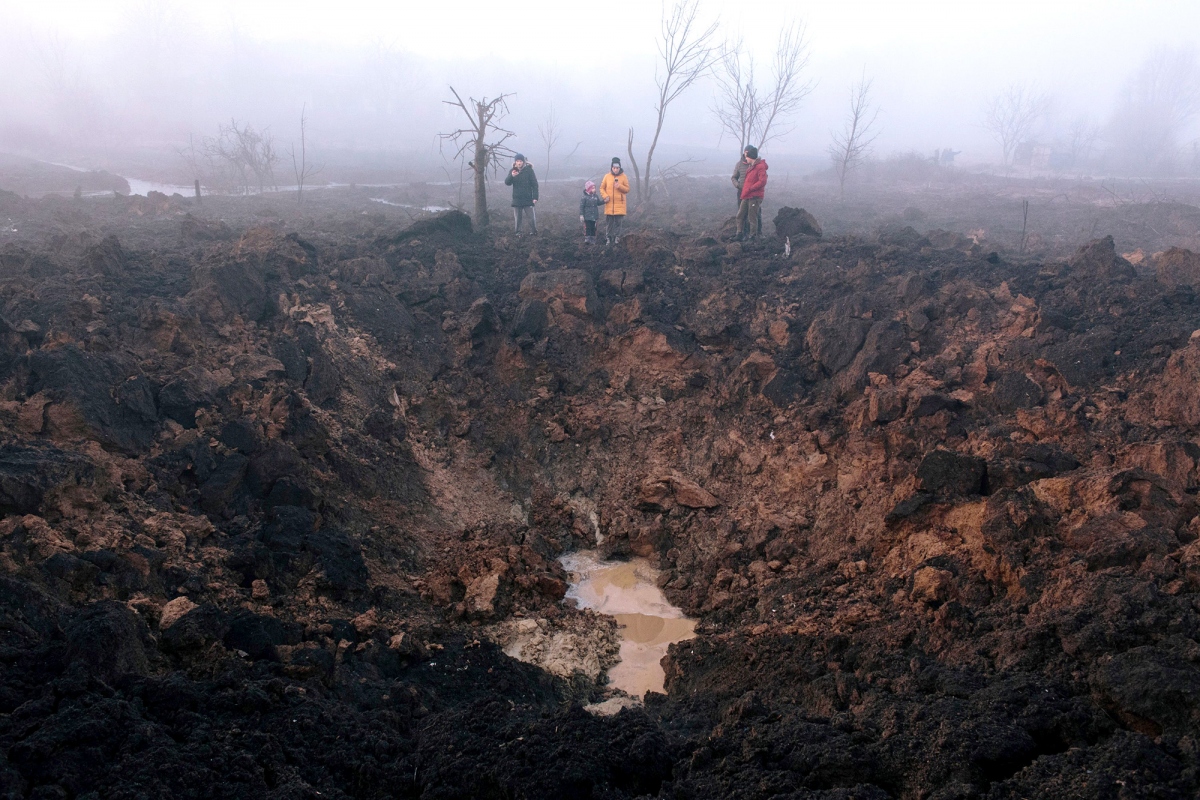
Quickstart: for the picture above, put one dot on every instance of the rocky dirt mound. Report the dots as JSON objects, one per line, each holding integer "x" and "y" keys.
{"x": 275, "y": 503}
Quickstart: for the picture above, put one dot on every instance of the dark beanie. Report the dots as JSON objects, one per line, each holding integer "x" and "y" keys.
{"x": 752, "y": 151}
{"x": 519, "y": 157}
{"x": 616, "y": 161}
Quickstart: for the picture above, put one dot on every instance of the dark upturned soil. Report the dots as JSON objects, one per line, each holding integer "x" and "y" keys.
{"x": 268, "y": 477}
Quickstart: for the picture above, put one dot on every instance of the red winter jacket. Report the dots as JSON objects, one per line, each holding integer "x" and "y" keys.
{"x": 756, "y": 181}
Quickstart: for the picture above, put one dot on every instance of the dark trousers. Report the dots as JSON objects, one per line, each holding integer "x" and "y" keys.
{"x": 589, "y": 227}
{"x": 739, "y": 205}
{"x": 519, "y": 214}
{"x": 612, "y": 228}
{"x": 750, "y": 214}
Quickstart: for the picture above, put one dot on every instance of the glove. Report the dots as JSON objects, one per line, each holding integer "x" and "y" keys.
{"x": 581, "y": 217}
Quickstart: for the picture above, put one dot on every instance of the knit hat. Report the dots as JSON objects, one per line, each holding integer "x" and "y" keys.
{"x": 589, "y": 186}
{"x": 519, "y": 157}
{"x": 752, "y": 151}
{"x": 616, "y": 161}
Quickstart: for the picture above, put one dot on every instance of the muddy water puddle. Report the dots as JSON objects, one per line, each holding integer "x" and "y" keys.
{"x": 628, "y": 591}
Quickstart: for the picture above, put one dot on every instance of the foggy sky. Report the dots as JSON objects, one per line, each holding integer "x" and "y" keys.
{"x": 109, "y": 74}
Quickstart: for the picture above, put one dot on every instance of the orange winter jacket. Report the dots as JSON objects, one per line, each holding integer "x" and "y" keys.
{"x": 613, "y": 189}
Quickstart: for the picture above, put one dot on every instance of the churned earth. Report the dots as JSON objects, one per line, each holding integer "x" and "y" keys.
{"x": 285, "y": 499}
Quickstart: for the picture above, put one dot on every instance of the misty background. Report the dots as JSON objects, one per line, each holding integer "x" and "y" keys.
{"x": 124, "y": 86}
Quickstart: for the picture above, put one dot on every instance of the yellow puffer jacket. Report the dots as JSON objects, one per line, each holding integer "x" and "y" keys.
{"x": 613, "y": 189}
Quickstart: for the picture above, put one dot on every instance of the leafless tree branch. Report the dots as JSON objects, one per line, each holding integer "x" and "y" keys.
{"x": 301, "y": 168}
{"x": 1081, "y": 138}
{"x": 686, "y": 51}
{"x": 482, "y": 116}
{"x": 851, "y": 145}
{"x": 1011, "y": 115}
{"x": 753, "y": 115}
{"x": 1155, "y": 106}
{"x": 737, "y": 107}
{"x": 637, "y": 175}
{"x": 246, "y": 156}
{"x": 550, "y": 132}
{"x": 790, "y": 90}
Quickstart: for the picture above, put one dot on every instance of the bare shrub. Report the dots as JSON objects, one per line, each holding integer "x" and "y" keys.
{"x": 241, "y": 158}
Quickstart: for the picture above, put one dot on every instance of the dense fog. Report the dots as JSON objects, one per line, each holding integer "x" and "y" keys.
{"x": 1117, "y": 86}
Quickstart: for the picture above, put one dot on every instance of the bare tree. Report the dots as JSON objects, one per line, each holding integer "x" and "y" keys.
{"x": 750, "y": 114}
{"x": 245, "y": 155}
{"x": 850, "y": 145}
{"x": 550, "y": 133}
{"x": 737, "y": 107}
{"x": 687, "y": 52}
{"x": 1081, "y": 138}
{"x": 190, "y": 157}
{"x": 789, "y": 90}
{"x": 300, "y": 166}
{"x": 637, "y": 174}
{"x": 55, "y": 60}
{"x": 1011, "y": 115}
{"x": 69, "y": 95}
{"x": 1154, "y": 108}
{"x": 481, "y": 117}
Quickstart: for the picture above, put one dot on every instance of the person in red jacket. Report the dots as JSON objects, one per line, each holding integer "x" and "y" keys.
{"x": 753, "y": 188}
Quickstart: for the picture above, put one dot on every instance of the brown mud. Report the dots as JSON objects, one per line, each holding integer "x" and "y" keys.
{"x": 628, "y": 592}
{"x": 279, "y": 490}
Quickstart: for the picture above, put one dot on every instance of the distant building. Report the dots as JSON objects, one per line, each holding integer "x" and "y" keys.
{"x": 1039, "y": 155}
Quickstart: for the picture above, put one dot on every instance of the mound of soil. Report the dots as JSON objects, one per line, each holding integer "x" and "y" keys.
{"x": 275, "y": 498}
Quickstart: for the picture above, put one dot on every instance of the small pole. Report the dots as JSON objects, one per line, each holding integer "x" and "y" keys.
{"x": 197, "y": 191}
{"x": 1024, "y": 222}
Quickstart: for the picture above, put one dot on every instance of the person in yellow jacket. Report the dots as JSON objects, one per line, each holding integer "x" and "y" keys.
{"x": 613, "y": 189}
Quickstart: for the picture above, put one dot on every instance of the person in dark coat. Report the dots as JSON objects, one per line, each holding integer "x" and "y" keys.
{"x": 524, "y": 192}
{"x": 589, "y": 211}
{"x": 739, "y": 177}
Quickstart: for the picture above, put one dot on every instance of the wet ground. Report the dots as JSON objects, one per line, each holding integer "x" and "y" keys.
{"x": 628, "y": 591}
